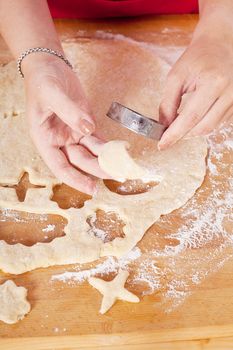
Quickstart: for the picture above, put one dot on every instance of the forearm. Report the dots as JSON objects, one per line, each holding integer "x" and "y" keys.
{"x": 207, "y": 7}
{"x": 216, "y": 19}
{"x": 27, "y": 23}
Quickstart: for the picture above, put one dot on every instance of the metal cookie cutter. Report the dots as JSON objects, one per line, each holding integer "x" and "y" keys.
{"x": 136, "y": 122}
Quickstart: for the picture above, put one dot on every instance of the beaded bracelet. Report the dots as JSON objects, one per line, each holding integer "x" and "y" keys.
{"x": 39, "y": 49}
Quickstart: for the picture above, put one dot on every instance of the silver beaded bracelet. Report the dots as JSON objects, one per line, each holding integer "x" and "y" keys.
{"x": 39, "y": 49}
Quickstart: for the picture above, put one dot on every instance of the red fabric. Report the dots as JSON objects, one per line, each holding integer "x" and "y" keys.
{"x": 110, "y": 8}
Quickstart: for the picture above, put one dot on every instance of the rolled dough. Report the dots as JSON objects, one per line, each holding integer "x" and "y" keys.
{"x": 13, "y": 302}
{"x": 115, "y": 66}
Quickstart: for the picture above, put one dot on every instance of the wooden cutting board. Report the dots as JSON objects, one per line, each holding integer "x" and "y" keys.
{"x": 194, "y": 298}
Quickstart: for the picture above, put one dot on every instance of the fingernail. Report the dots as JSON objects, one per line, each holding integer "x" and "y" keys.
{"x": 162, "y": 145}
{"x": 86, "y": 127}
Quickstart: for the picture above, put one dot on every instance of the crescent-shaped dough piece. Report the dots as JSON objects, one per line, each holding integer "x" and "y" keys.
{"x": 115, "y": 160}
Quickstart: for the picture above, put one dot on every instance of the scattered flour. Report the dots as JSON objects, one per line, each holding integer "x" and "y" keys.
{"x": 10, "y": 215}
{"x": 49, "y": 228}
{"x": 169, "y": 54}
{"x": 229, "y": 144}
{"x": 96, "y": 231}
{"x": 109, "y": 265}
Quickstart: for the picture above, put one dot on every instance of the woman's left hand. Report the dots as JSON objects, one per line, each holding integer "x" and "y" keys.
{"x": 206, "y": 71}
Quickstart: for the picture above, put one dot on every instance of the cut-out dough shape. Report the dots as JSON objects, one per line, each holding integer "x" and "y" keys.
{"x": 115, "y": 160}
{"x": 13, "y": 302}
{"x": 113, "y": 290}
{"x": 181, "y": 168}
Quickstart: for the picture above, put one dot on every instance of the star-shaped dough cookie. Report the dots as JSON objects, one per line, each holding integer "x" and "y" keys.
{"x": 113, "y": 290}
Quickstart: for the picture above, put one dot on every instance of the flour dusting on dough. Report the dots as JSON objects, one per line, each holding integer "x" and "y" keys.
{"x": 49, "y": 228}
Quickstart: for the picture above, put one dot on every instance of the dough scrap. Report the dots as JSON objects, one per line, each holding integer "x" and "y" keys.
{"x": 115, "y": 160}
{"x": 113, "y": 290}
{"x": 13, "y": 302}
{"x": 114, "y": 64}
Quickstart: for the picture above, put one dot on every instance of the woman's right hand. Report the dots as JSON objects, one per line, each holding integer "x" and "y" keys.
{"x": 61, "y": 122}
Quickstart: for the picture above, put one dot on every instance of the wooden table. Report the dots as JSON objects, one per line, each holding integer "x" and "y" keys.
{"x": 65, "y": 316}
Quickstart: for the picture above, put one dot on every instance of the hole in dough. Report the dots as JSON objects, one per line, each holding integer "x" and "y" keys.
{"x": 22, "y": 187}
{"x": 15, "y": 114}
{"x": 12, "y": 114}
{"x": 129, "y": 187}
{"x": 106, "y": 226}
{"x": 67, "y": 197}
{"x": 15, "y": 227}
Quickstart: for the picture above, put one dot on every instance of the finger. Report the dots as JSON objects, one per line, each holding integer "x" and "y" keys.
{"x": 93, "y": 144}
{"x": 191, "y": 114}
{"x": 82, "y": 159}
{"x": 171, "y": 98}
{"x": 229, "y": 116}
{"x": 76, "y": 136}
{"x": 221, "y": 111}
{"x": 70, "y": 112}
{"x": 64, "y": 171}
{"x": 205, "y": 130}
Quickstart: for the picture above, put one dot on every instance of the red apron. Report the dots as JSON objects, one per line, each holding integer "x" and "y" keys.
{"x": 121, "y": 8}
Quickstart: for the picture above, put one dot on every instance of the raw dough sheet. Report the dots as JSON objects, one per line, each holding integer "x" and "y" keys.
{"x": 114, "y": 64}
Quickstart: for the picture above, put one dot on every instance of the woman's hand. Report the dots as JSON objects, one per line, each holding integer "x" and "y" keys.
{"x": 61, "y": 121}
{"x": 205, "y": 70}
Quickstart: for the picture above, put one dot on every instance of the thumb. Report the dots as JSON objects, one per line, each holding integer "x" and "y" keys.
{"x": 171, "y": 100}
{"x": 71, "y": 112}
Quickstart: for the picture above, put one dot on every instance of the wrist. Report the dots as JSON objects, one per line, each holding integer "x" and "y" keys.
{"x": 215, "y": 23}
{"x": 40, "y": 57}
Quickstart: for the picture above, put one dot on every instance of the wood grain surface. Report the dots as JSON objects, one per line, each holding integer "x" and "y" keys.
{"x": 65, "y": 315}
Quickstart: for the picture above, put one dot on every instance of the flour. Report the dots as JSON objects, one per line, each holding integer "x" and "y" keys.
{"x": 229, "y": 144}
{"x": 150, "y": 275}
{"x": 49, "y": 228}
{"x": 9, "y": 215}
{"x": 96, "y": 231}
{"x": 109, "y": 265}
{"x": 169, "y": 54}
{"x": 14, "y": 216}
